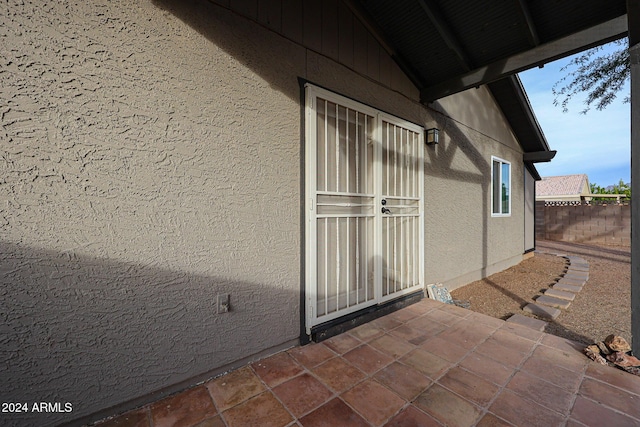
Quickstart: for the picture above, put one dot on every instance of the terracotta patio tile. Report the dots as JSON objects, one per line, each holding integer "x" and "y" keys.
{"x": 234, "y": 388}
{"x": 568, "y": 359}
{"x": 454, "y": 309}
{"x": 403, "y": 380}
{"x": 504, "y": 355}
{"x": 368, "y": 359}
{"x": 560, "y": 343}
{"x": 332, "y": 414}
{"x": 469, "y": 386}
{"x": 387, "y": 323}
{"x": 412, "y": 417}
{"x": 407, "y": 333}
{"x": 312, "y": 354}
{"x": 403, "y": 315}
{"x": 444, "y": 349}
{"x": 486, "y": 320}
{"x": 522, "y": 331}
{"x": 623, "y": 401}
{"x": 183, "y": 409}
{"x": 490, "y": 420}
{"x": 541, "y": 392}
{"x": 137, "y": 418}
{"x": 263, "y": 410}
{"x": 338, "y": 374}
{"x": 561, "y": 377}
{"x": 447, "y": 407}
{"x": 512, "y": 341}
{"x": 591, "y": 413}
{"x": 426, "y": 305}
{"x": 276, "y": 369}
{"x": 342, "y": 343}
{"x": 302, "y": 394}
{"x": 427, "y": 325}
{"x": 467, "y": 335}
{"x": 366, "y": 332}
{"x": 614, "y": 376}
{"x": 392, "y": 346}
{"x": 521, "y": 412}
{"x": 487, "y": 368}
{"x": 443, "y": 317}
{"x": 211, "y": 422}
{"x": 427, "y": 363}
{"x": 373, "y": 401}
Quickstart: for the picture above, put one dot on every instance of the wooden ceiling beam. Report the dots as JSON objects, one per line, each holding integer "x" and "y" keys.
{"x": 535, "y": 57}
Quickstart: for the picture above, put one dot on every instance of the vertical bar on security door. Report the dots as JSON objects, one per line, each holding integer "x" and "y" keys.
{"x": 346, "y": 139}
{"x": 358, "y": 250}
{"x": 401, "y": 160}
{"x": 337, "y": 151}
{"x": 326, "y": 266}
{"x": 348, "y": 283}
{"x": 366, "y": 162}
{"x": 388, "y": 167}
{"x": 402, "y": 169}
{"x": 358, "y": 190}
{"x": 326, "y": 151}
{"x": 395, "y": 161}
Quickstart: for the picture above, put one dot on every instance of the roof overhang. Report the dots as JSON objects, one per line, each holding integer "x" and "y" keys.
{"x": 448, "y": 46}
{"x": 608, "y": 31}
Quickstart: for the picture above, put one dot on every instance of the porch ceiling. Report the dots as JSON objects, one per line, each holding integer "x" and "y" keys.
{"x": 448, "y": 46}
{"x": 451, "y": 45}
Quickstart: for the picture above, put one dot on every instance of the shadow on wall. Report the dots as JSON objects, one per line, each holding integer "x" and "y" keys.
{"x": 237, "y": 38}
{"x": 97, "y": 333}
{"x": 231, "y": 33}
{"x": 439, "y": 161}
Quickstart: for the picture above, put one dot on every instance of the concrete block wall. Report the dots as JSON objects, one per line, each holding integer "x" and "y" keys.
{"x": 602, "y": 224}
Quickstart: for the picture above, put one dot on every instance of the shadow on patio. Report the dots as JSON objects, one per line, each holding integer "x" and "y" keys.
{"x": 429, "y": 364}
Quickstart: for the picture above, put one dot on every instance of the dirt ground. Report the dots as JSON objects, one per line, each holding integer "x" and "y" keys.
{"x": 603, "y": 307}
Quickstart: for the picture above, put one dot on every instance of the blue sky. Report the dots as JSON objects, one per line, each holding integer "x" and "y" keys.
{"x": 597, "y": 143}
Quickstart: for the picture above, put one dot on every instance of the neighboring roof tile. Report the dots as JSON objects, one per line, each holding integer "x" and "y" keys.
{"x": 561, "y": 185}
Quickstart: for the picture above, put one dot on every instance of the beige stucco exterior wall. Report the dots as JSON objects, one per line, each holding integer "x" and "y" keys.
{"x": 464, "y": 242}
{"x": 148, "y": 165}
{"x": 152, "y": 159}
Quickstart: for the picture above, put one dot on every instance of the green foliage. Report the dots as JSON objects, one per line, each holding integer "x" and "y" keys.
{"x": 601, "y": 76}
{"x": 619, "y": 188}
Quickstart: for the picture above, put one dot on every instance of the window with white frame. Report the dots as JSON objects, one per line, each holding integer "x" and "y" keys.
{"x": 500, "y": 187}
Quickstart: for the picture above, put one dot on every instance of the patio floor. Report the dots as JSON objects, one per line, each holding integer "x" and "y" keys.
{"x": 429, "y": 364}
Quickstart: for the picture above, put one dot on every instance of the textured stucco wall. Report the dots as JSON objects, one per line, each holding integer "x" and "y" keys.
{"x": 148, "y": 164}
{"x": 463, "y": 241}
{"x": 151, "y": 159}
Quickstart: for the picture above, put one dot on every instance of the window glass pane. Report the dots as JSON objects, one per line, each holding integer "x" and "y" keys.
{"x": 505, "y": 188}
{"x": 496, "y": 187}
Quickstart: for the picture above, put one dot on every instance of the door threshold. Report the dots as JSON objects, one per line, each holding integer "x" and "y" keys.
{"x": 337, "y": 326}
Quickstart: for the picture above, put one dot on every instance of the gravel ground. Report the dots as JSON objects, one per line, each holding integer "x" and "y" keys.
{"x": 603, "y": 307}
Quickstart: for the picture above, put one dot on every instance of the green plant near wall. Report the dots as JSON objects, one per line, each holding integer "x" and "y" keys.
{"x": 619, "y": 188}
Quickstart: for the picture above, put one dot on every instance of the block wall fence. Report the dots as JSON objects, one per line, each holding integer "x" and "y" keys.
{"x": 608, "y": 224}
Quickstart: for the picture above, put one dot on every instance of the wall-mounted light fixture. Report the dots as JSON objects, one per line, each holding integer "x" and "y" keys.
{"x": 432, "y": 136}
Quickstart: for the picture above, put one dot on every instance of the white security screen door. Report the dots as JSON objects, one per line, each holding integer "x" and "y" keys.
{"x": 364, "y": 211}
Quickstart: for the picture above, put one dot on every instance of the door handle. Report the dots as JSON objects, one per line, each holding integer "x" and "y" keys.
{"x": 386, "y": 211}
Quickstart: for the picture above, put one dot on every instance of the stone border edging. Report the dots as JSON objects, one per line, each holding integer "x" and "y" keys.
{"x": 559, "y": 296}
